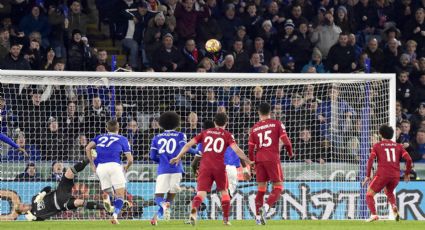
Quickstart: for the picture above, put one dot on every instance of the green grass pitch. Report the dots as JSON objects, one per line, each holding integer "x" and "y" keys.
{"x": 209, "y": 224}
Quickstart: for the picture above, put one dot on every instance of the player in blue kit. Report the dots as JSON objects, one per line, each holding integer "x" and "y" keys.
{"x": 10, "y": 142}
{"x": 164, "y": 147}
{"x": 109, "y": 148}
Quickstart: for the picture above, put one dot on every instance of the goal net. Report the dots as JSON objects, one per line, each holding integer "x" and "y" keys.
{"x": 332, "y": 121}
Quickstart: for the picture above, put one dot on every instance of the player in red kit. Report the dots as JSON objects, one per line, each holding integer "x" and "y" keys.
{"x": 264, "y": 149}
{"x": 212, "y": 168}
{"x": 387, "y": 176}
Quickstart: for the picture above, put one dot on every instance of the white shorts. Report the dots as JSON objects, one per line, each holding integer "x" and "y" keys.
{"x": 111, "y": 175}
{"x": 232, "y": 178}
{"x": 168, "y": 183}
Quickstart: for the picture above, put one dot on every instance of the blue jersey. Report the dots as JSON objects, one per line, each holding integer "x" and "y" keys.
{"x": 230, "y": 157}
{"x": 166, "y": 146}
{"x": 109, "y": 147}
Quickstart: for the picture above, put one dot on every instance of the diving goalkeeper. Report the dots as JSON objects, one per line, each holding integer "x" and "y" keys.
{"x": 48, "y": 202}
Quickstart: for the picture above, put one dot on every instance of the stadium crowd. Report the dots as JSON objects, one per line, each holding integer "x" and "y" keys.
{"x": 339, "y": 36}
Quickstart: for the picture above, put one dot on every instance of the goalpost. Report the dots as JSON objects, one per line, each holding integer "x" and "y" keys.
{"x": 332, "y": 120}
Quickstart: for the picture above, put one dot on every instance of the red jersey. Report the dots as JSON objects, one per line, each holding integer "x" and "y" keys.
{"x": 264, "y": 139}
{"x": 389, "y": 154}
{"x": 214, "y": 144}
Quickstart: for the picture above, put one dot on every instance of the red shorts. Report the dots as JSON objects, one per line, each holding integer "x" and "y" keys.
{"x": 378, "y": 183}
{"x": 207, "y": 176}
{"x": 268, "y": 171}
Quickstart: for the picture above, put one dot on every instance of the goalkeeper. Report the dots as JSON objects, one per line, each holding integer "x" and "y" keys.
{"x": 50, "y": 202}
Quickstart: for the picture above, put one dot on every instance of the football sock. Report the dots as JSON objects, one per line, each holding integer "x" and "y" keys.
{"x": 371, "y": 203}
{"x": 118, "y": 203}
{"x": 196, "y": 202}
{"x": 158, "y": 201}
{"x": 391, "y": 198}
{"x": 274, "y": 195}
{"x": 259, "y": 200}
{"x": 225, "y": 205}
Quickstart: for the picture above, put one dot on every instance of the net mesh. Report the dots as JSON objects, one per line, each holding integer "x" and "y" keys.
{"x": 331, "y": 122}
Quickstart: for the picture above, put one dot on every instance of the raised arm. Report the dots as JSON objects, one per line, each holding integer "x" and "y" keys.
{"x": 185, "y": 148}
{"x": 370, "y": 163}
{"x": 129, "y": 157}
{"x": 89, "y": 155}
{"x": 240, "y": 153}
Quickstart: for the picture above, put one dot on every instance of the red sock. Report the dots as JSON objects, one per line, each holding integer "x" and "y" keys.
{"x": 259, "y": 200}
{"x": 274, "y": 196}
{"x": 371, "y": 203}
{"x": 196, "y": 202}
{"x": 225, "y": 205}
{"x": 391, "y": 198}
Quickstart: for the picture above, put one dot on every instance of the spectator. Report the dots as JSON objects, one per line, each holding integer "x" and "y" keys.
{"x": 255, "y": 62}
{"x": 157, "y": 28}
{"x": 411, "y": 51}
{"x": 77, "y": 20}
{"x": 209, "y": 104}
{"x": 404, "y": 64}
{"x": 56, "y": 19}
{"x": 148, "y": 134}
{"x": 32, "y": 152}
{"x": 4, "y": 43}
{"x": 341, "y": 57}
{"x": 78, "y": 53}
{"x": 405, "y": 90}
{"x": 326, "y": 35}
{"x": 280, "y": 98}
{"x": 297, "y": 15}
{"x": 135, "y": 137}
{"x": 187, "y": 17}
{"x": 392, "y": 54}
{"x": 303, "y": 45}
{"x": 268, "y": 34}
{"x": 309, "y": 147}
{"x": 343, "y": 21}
{"x": 142, "y": 18}
{"x": 275, "y": 65}
{"x": 71, "y": 122}
{"x": 192, "y": 127}
{"x": 405, "y": 132}
{"x": 14, "y": 60}
{"x": 287, "y": 41}
{"x": 102, "y": 59}
{"x": 208, "y": 28}
{"x": 191, "y": 55}
{"x": 416, "y": 148}
{"x": 207, "y": 64}
{"x": 241, "y": 56}
{"x": 168, "y": 58}
{"x": 366, "y": 18}
{"x": 228, "y": 25}
{"x": 53, "y": 141}
{"x": 34, "y": 55}
{"x": 275, "y": 14}
{"x": 352, "y": 41}
{"x": 245, "y": 118}
{"x": 30, "y": 173}
{"x": 57, "y": 171}
{"x": 49, "y": 60}
{"x": 79, "y": 148}
{"x": 289, "y": 64}
{"x": 376, "y": 55}
{"x": 36, "y": 22}
{"x": 228, "y": 65}
{"x": 33, "y": 114}
{"x": 244, "y": 37}
{"x": 415, "y": 29}
{"x": 315, "y": 62}
{"x": 96, "y": 116}
{"x": 401, "y": 115}
{"x": 251, "y": 20}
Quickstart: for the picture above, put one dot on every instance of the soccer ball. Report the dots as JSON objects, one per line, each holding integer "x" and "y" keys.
{"x": 213, "y": 45}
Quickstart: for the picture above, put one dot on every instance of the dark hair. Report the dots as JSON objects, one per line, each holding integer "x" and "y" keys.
{"x": 169, "y": 120}
{"x": 208, "y": 124}
{"x": 264, "y": 108}
{"x": 112, "y": 126}
{"x": 386, "y": 131}
{"x": 220, "y": 119}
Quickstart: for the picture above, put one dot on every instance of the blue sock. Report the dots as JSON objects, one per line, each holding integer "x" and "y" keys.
{"x": 118, "y": 203}
{"x": 158, "y": 201}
